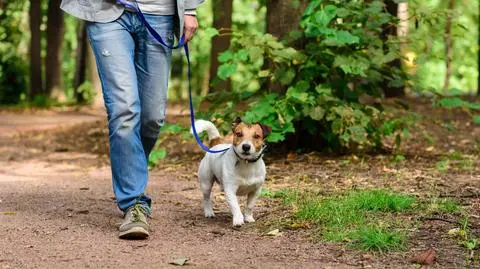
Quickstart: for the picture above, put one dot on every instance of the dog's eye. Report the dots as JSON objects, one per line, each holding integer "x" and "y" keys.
{"x": 239, "y": 134}
{"x": 256, "y": 136}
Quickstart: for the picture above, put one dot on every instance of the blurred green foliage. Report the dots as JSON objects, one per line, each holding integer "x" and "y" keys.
{"x": 427, "y": 22}
{"x": 13, "y": 52}
{"x": 243, "y": 20}
{"x": 426, "y": 41}
{"x": 70, "y": 44}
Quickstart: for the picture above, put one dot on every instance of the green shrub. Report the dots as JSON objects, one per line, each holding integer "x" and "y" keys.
{"x": 344, "y": 57}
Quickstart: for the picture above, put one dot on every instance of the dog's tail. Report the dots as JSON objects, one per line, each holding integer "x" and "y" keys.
{"x": 212, "y": 131}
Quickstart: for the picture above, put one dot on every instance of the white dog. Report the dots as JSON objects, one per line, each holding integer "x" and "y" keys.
{"x": 239, "y": 171}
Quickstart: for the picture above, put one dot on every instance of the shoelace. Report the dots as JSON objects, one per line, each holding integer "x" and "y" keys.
{"x": 137, "y": 211}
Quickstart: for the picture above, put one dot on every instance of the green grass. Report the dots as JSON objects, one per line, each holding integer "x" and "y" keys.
{"x": 456, "y": 160}
{"x": 467, "y": 240}
{"x": 156, "y": 156}
{"x": 289, "y": 196}
{"x": 375, "y": 238}
{"x": 357, "y": 217}
{"x": 447, "y": 206}
{"x": 442, "y": 205}
{"x": 266, "y": 193}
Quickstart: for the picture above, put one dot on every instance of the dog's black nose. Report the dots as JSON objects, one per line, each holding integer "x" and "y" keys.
{"x": 246, "y": 147}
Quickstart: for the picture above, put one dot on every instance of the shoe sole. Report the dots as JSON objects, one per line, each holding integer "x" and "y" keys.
{"x": 135, "y": 233}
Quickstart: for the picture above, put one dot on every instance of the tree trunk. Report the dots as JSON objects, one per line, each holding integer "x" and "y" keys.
{"x": 282, "y": 18}
{"x": 402, "y": 30}
{"x": 389, "y": 30}
{"x": 81, "y": 61}
{"x": 448, "y": 46}
{"x": 222, "y": 18}
{"x": 478, "y": 51}
{"x": 55, "y": 30}
{"x": 36, "y": 83}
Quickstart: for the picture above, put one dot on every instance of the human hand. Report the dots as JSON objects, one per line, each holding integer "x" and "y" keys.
{"x": 190, "y": 27}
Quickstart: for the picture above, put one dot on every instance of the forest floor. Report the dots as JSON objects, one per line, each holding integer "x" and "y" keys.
{"x": 57, "y": 209}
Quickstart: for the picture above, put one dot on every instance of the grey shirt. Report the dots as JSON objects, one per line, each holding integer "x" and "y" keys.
{"x": 109, "y": 10}
{"x": 156, "y": 7}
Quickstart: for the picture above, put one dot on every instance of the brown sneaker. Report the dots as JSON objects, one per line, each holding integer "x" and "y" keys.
{"x": 135, "y": 225}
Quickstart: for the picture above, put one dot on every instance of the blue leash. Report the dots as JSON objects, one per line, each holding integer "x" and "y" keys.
{"x": 180, "y": 44}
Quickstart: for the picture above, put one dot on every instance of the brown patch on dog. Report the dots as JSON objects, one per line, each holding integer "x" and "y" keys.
{"x": 235, "y": 123}
{"x": 248, "y": 132}
{"x": 228, "y": 139}
{"x": 215, "y": 141}
{"x": 221, "y": 140}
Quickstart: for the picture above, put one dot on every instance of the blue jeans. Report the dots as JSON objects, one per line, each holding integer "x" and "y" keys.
{"x": 134, "y": 70}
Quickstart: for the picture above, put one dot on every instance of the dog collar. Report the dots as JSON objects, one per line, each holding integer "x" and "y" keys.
{"x": 250, "y": 160}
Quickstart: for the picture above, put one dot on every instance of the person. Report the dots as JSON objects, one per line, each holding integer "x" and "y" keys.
{"x": 134, "y": 70}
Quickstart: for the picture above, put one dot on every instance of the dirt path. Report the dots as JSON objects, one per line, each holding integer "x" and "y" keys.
{"x": 66, "y": 218}
{"x": 17, "y": 123}
{"x": 58, "y": 212}
{"x": 57, "y": 209}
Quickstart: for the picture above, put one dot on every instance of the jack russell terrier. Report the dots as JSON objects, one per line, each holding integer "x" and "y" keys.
{"x": 239, "y": 171}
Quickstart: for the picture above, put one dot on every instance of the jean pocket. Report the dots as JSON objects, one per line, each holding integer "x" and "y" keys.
{"x": 167, "y": 37}
{"x": 163, "y": 25}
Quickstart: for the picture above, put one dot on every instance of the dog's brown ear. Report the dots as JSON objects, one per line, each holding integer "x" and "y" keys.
{"x": 236, "y": 122}
{"x": 266, "y": 130}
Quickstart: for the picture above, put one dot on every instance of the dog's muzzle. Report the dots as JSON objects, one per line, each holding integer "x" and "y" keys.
{"x": 250, "y": 160}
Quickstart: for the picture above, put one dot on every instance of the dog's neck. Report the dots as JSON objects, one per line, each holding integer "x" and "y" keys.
{"x": 246, "y": 161}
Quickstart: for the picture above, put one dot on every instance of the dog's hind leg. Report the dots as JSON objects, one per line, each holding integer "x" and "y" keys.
{"x": 206, "y": 179}
{"x": 251, "y": 199}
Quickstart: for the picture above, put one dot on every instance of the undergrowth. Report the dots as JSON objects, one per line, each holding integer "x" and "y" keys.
{"x": 369, "y": 220}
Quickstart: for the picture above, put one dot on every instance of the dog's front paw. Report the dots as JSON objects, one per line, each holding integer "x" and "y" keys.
{"x": 238, "y": 221}
{"x": 209, "y": 214}
{"x": 249, "y": 219}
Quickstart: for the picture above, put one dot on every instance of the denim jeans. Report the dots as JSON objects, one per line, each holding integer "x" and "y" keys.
{"x": 134, "y": 70}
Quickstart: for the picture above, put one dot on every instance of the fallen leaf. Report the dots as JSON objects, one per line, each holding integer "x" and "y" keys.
{"x": 180, "y": 261}
{"x": 291, "y": 156}
{"x": 301, "y": 225}
{"x": 220, "y": 197}
{"x": 454, "y": 231}
{"x": 61, "y": 149}
{"x": 9, "y": 213}
{"x": 83, "y": 212}
{"x": 275, "y": 232}
{"x": 218, "y": 232}
{"x": 389, "y": 170}
{"x": 425, "y": 258}
{"x": 368, "y": 257}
